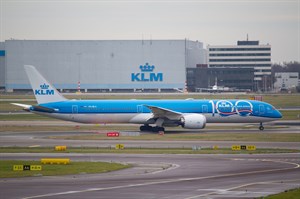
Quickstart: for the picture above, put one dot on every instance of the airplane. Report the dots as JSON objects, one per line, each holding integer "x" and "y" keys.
{"x": 215, "y": 88}
{"x": 152, "y": 115}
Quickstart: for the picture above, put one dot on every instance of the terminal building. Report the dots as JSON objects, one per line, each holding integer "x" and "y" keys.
{"x": 246, "y": 54}
{"x": 101, "y": 65}
{"x": 202, "y": 78}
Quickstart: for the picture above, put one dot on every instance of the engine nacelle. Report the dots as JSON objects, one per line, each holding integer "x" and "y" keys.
{"x": 193, "y": 121}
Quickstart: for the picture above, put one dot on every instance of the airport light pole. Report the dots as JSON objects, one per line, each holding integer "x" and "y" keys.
{"x": 79, "y": 72}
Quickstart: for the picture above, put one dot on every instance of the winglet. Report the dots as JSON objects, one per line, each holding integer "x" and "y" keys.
{"x": 44, "y": 91}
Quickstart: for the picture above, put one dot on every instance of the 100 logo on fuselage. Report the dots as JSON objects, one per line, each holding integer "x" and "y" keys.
{"x": 240, "y": 107}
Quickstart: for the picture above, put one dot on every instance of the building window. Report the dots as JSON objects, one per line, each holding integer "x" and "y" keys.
{"x": 239, "y": 65}
{"x": 239, "y": 49}
{"x": 236, "y": 60}
{"x": 239, "y": 54}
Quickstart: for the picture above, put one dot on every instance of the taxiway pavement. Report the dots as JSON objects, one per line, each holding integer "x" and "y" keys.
{"x": 28, "y": 139}
{"x": 163, "y": 176}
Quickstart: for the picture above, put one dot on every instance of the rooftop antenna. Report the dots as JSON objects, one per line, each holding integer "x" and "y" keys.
{"x": 247, "y": 37}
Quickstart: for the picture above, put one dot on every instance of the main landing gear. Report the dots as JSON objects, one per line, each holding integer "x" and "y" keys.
{"x": 261, "y": 127}
{"x": 150, "y": 128}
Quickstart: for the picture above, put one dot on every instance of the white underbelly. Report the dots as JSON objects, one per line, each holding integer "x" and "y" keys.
{"x": 140, "y": 118}
{"x": 235, "y": 119}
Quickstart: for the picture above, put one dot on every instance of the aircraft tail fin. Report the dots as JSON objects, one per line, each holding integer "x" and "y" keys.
{"x": 44, "y": 92}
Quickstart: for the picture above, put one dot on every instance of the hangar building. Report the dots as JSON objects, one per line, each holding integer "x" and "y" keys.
{"x": 2, "y": 65}
{"x": 101, "y": 65}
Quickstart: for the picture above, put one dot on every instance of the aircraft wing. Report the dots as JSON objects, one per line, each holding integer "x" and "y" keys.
{"x": 159, "y": 112}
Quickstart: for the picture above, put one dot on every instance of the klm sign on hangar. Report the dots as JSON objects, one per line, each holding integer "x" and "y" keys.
{"x": 146, "y": 74}
{"x": 100, "y": 65}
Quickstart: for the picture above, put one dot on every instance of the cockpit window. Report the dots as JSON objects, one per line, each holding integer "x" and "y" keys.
{"x": 273, "y": 108}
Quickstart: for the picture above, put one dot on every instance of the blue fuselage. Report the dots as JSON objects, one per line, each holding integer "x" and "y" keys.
{"x": 214, "y": 110}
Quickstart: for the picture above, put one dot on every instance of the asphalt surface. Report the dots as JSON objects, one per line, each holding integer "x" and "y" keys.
{"x": 28, "y": 139}
{"x": 164, "y": 176}
{"x": 157, "y": 176}
{"x": 39, "y": 139}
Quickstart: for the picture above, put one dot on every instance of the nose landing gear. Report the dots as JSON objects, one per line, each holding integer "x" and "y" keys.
{"x": 261, "y": 127}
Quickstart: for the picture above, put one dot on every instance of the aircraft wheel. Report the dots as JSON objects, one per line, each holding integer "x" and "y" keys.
{"x": 157, "y": 129}
{"x": 146, "y": 128}
{"x": 261, "y": 127}
{"x": 143, "y": 128}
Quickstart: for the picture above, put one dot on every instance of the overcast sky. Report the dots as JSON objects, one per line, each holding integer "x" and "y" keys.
{"x": 214, "y": 22}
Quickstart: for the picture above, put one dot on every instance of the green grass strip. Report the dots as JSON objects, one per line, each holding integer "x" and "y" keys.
{"x": 289, "y": 194}
{"x": 6, "y": 168}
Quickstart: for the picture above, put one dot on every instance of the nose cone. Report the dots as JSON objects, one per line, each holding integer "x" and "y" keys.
{"x": 277, "y": 114}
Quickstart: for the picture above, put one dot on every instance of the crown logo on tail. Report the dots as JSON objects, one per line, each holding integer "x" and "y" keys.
{"x": 44, "y": 86}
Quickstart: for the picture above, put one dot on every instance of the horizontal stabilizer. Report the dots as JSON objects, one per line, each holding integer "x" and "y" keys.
{"x": 37, "y": 108}
{"x": 26, "y": 107}
{"x": 43, "y": 109}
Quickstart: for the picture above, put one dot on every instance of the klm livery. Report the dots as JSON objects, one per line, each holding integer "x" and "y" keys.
{"x": 153, "y": 115}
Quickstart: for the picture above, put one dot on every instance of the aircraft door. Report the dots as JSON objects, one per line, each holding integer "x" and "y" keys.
{"x": 261, "y": 109}
{"x": 74, "y": 109}
{"x": 204, "y": 109}
{"x": 140, "y": 108}
{"x": 74, "y": 112}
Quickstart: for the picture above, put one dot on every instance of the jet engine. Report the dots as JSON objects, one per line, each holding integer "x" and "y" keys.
{"x": 193, "y": 121}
